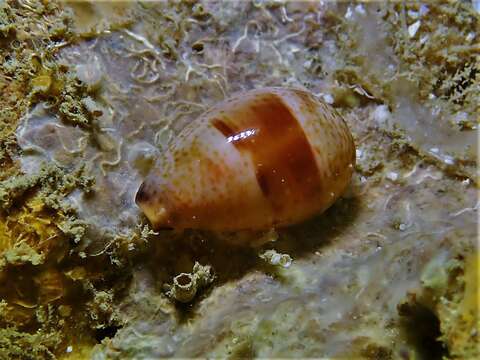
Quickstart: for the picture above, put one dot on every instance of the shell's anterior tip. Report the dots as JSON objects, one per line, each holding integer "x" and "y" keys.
{"x": 153, "y": 209}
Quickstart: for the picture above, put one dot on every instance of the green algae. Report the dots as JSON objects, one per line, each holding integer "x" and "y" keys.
{"x": 71, "y": 106}
{"x": 53, "y": 183}
{"x": 21, "y": 253}
{"x": 73, "y": 228}
{"x": 15, "y": 344}
{"x": 13, "y": 188}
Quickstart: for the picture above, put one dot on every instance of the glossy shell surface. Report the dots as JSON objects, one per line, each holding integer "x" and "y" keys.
{"x": 264, "y": 158}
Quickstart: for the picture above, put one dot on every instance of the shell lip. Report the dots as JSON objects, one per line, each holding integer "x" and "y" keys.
{"x": 142, "y": 195}
{"x": 155, "y": 211}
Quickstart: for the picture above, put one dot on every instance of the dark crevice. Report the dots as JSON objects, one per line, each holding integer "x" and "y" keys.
{"x": 106, "y": 332}
{"x": 422, "y": 329}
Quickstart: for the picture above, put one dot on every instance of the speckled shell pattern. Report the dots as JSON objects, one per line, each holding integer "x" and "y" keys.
{"x": 264, "y": 158}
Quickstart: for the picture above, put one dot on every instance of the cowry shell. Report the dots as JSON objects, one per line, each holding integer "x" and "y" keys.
{"x": 264, "y": 158}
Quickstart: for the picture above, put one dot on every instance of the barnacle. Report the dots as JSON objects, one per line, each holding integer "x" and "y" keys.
{"x": 274, "y": 258}
{"x": 186, "y": 285}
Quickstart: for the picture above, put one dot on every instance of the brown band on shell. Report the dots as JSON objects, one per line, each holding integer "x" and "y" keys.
{"x": 286, "y": 169}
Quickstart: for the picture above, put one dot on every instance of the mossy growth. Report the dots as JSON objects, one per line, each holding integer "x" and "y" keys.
{"x": 441, "y": 56}
{"x": 436, "y": 44}
{"x": 35, "y": 219}
{"x": 31, "y": 35}
{"x": 22, "y": 253}
{"x": 21, "y": 345}
{"x": 53, "y": 183}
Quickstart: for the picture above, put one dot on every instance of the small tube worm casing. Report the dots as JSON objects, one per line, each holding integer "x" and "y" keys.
{"x": 263, "y": 158}
{"x": 184, "y": 288}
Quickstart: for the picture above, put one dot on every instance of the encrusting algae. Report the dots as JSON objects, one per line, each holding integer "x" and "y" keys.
{"x": 93, "y": 93}
{"x": 38, "y": 230}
